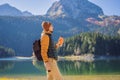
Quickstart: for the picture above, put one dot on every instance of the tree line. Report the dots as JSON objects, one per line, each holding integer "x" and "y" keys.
{"x": 95, "y": 43}
{"x": 6, "y": 52}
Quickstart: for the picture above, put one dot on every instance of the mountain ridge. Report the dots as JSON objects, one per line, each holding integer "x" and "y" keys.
{"x": 8, "y": 10}
{"x": 19, "y": 33}
{"x": 74, "y": 9}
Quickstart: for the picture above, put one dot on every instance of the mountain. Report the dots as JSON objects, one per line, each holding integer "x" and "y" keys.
{"x": 26, "y": 13}
{"x": 74, "y": 9}
{"x": 19, "y": 33}
{"x": 8, "y": 10}
{"x": 75, "y": 17}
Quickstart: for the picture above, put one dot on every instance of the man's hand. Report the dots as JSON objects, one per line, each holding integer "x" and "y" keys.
{"x": 60, "y": 41}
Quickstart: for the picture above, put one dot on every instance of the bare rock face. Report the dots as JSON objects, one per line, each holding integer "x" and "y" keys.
{"x": 74, "y": 9}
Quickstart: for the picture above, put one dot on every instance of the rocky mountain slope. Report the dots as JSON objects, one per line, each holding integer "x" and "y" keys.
{"x": 69, "y": 17}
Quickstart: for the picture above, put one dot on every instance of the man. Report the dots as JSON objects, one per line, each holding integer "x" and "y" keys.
{"x": 48, "y": 51}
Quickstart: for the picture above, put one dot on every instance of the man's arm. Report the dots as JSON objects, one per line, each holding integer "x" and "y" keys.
{"x": 44, "y": 47}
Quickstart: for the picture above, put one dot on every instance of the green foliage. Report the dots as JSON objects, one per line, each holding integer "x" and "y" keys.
{"x": 95, "y": 43}
{"x": 6, "y": 52}
{"x": 19, "y": 33}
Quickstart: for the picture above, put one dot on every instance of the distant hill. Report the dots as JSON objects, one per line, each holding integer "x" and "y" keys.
{"x": 69, "y": 17}
{"x": 8, "y": 10}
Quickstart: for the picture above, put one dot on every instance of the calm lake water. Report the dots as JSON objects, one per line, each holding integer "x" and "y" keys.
{"x": 30, "y": 67}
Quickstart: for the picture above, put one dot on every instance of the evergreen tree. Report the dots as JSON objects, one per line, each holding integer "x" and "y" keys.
{"x": 95, "y": 43}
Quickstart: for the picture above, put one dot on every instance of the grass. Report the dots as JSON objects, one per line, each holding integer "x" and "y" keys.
{"x": 82, "y": 77}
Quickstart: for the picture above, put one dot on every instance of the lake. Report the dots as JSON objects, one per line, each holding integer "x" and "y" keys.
{"x": 28, "y": 67}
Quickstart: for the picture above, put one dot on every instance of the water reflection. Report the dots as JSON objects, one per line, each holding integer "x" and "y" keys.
{"x": 85, "y": 68}
{"x": 66, "y": 67}
{"x": 38, "y": 65}
{"x": 6, "y": 65}
{"x": 89, "y": 68}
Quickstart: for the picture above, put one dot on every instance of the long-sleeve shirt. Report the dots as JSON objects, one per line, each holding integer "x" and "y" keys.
{"x": 44, "y": 46}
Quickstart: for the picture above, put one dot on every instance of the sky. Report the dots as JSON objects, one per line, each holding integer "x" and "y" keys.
{"x": 40, "y": 7}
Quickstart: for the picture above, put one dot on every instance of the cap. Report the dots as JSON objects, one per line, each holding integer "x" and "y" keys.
{"x": 46, "y": 25}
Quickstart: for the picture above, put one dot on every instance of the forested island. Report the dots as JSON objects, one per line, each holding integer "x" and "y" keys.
{"x": 6, "y": 52}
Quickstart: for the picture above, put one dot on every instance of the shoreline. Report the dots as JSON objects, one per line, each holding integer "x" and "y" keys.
{"x": 69, "y": 77}
{"x": 85, "y": 58}
{"x": 88, "y": 58}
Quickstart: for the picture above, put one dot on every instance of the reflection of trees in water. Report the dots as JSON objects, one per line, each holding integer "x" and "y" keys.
{"x": 96, "y": 67}
{"x": 6, "y": 65}
{"x": 108, "y": 67}
{"x": 39, "y": 65}
{"x": 75, "y": 67}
